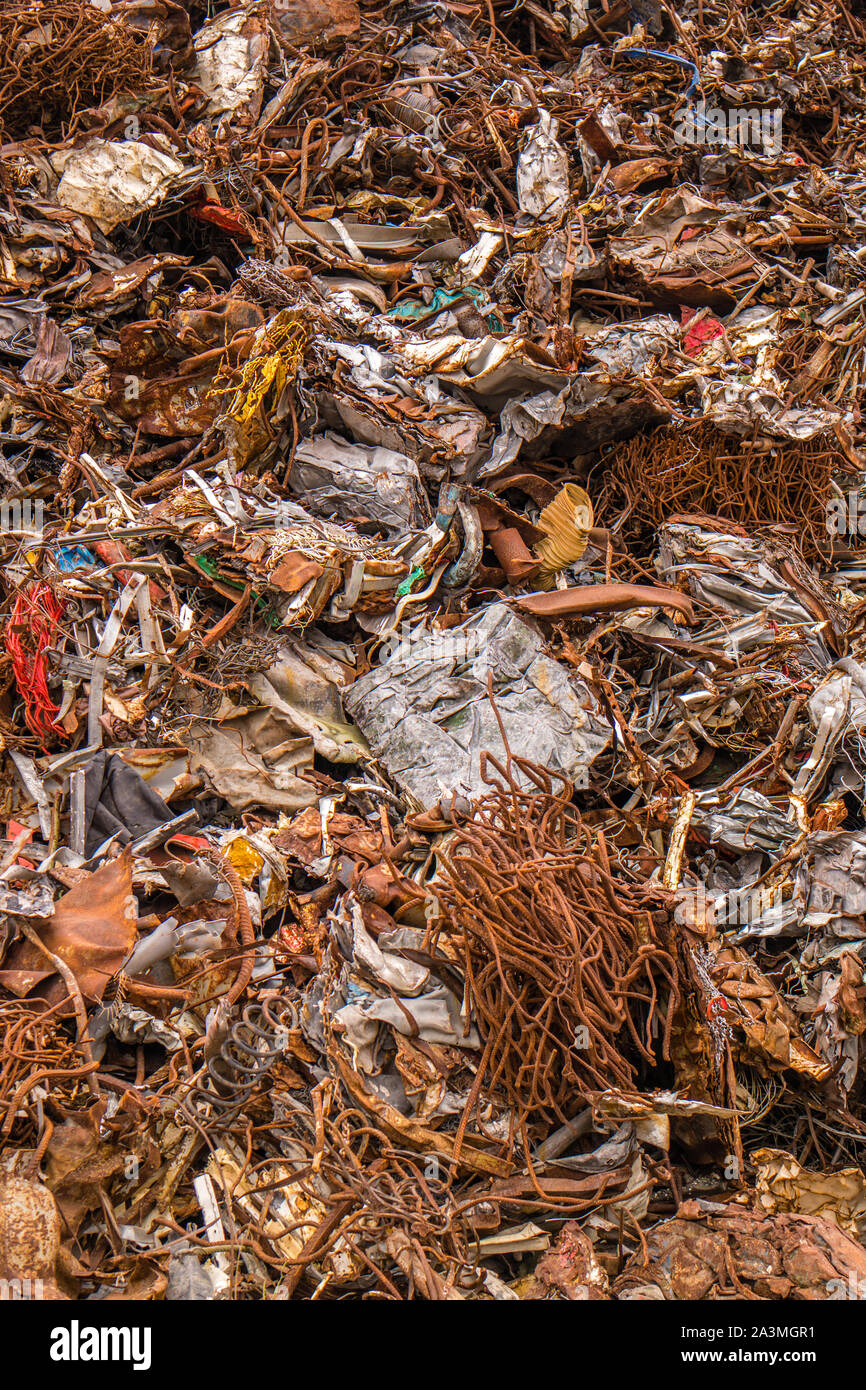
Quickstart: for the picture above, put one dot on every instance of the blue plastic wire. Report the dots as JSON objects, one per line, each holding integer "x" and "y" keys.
{"x": 671, "y": 58}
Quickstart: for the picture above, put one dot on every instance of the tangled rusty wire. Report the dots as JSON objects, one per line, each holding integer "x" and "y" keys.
{"x": 60, "y": 56}
{"x": 34, "y": 1050}
{"x": 378, "y": 1189}
{"x": 562, "y": 956}
{"x": 699, "y": 469}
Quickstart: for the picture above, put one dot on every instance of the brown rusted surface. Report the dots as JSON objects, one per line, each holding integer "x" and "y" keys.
{"x": 432, "y": 653}
{"x": 92, "y": 930}
{"x": 604, "y": 598}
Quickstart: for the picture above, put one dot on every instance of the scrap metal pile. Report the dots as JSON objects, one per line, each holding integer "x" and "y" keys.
{"x": 433, "y": 658}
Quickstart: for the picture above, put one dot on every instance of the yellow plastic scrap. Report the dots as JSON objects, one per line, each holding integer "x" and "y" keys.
{"x": 244, "y": 859}
{"x": 271, "y": 364}
{"x": 566, "y": 522}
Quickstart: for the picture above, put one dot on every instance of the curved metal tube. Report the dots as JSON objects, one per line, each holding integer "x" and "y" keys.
{"x": 464, "y": 568}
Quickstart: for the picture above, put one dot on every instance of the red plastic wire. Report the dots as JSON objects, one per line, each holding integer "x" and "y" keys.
{"x": 35, "y": 617}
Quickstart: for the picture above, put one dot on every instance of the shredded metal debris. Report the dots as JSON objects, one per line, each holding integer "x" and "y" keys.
{"x": 432, "y": 650}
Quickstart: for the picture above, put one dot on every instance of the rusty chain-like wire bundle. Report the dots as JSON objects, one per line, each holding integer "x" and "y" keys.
{"x": 61, "y": 55}
{"x": 699, "y": 469}
{"x": 33, "y": 1050}
{"x": 562, "y": 956}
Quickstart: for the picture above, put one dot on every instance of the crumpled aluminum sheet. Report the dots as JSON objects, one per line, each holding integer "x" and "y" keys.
{"x": 114, "y": 180}
{"x": 542, "y": 171}
{"x": 629, "y": 348}
{"x": 745, "y": 583}
{"x": 746, "y": 820}
{"x": 231, "y": 52}
{"x": 742, "y": 908}
{"x": 426, "y": 713}
{"x": 590, "y": 403}
{"x": 739, "y": 407}
{"x": 837, "y": 898}
{"x": 344, "y": 480}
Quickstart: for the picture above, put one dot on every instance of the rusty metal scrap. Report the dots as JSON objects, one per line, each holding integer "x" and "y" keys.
{"x": 432, "y": 660}
{"x": 700, "y": 470}
{"x": 61, "y": 57}
{"x": 563, "y": 959}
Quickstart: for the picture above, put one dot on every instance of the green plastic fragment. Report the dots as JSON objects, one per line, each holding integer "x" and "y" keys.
{"x": 212, "y": 571}
{"x": 406, "y": 586}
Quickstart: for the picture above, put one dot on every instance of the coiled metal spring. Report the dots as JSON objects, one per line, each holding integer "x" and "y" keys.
{"x": 254, "y": 1042}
